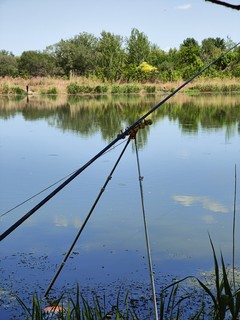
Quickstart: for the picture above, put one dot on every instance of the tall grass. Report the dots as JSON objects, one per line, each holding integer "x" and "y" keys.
{"x": 123, "y": 89}
{"x": 75, "y": 88}
{"x": 95, "y": 86}
{"x": 204, "y": 85}
{"x": 78, "y": 308}
{"x": 52, "y": 90}
{"x": 8, "y": 90}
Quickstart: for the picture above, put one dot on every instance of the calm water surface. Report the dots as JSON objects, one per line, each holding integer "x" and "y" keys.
{"x": 187, "y": 159}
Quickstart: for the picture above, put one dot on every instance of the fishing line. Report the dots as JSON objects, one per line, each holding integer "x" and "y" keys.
{"x": 120, "y": 136}
{"x": 146, "y": 234}
{"x": 35, "y": 195}
{"x": 49, "y": 187}
{"x": 86, "y": 219}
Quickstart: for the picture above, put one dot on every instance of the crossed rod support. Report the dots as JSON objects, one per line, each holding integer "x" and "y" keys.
{"x": 141, "y": 125}
{"x": 121, "y": 135}
{"x": 132, "y": 135}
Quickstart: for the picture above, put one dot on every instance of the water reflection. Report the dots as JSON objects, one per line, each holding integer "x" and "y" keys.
{"x": 110, "y": 114}
{"x": 188, "y": 185}
{"x": 205, "y": 201}
{"x": 64, "y": 221}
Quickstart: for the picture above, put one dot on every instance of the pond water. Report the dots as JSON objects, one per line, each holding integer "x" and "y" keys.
{"x": 187, "y": 159}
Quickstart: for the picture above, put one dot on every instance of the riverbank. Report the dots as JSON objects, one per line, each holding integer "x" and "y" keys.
{"x": 81, "y": 85}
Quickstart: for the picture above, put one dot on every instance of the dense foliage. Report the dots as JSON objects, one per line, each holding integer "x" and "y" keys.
{"x": 113, "y": 58}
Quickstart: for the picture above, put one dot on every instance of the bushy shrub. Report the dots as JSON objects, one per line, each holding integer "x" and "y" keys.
{"x": 131, "y": 89}
{"x": 150, "y": 89}
{"x": 73, "y": 88}
{"x": 52, "y": 90}
{"x": 101, "y": 89}
{"x": 116, "y": 89}
{"x": 85, "y": 89}
{"x": 17, "y": 90}
{"x": 5, "y": 89}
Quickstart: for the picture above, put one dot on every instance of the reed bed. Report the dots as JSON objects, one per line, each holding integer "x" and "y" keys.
{"x": 76, "y": 307}
{"x": 185, "y": 299}
{"x": 83, "y": 85}
{"x": 215, "y": 85}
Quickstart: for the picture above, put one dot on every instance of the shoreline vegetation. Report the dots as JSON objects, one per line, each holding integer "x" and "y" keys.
{"x": 215, "y": 297}
{"x": 11, "y": 86}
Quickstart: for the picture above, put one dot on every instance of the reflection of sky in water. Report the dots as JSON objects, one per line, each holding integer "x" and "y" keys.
{"x": 188, "y": 192}
{"x": 206, "y": 203}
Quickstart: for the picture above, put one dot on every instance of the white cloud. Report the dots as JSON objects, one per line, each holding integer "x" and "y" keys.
{"x": 208, "y": 219}
{"x": 206, "y": 203}
{"x": 184, "y": 6}
{"x": 65, "y": 221}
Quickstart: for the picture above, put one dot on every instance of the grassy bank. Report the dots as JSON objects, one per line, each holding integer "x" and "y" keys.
{"x": 81, "y": 85}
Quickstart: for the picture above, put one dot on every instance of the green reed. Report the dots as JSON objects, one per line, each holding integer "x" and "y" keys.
{"x": 52, "y": 90}
{"x": 77, "y": 307}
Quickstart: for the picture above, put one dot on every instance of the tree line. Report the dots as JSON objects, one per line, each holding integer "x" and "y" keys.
{"x": 113, "y": 58}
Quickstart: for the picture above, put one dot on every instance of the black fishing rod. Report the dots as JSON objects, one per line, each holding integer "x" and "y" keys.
{"x": 86, "y": 219}
{"x": 120, "y": 136}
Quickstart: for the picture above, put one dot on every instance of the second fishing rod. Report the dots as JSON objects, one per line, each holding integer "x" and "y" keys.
{"x": 122, "y": 135}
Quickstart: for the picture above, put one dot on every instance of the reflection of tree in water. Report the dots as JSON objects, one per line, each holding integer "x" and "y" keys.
{"x": 111, "y": 114}
{"x": 108, "y": 118}
{"x": 192, "y": 117}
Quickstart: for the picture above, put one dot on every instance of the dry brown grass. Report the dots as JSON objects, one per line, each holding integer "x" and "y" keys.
{"x": 38, "y": 84}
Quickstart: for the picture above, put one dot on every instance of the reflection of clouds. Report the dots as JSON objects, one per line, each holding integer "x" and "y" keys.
{"x": 184, "y": 155}
{"x": 208, "y": 219}
{"x": 64, "y": 221}
{"x": 60, "y": 221}
{"x": 205, "y": 201}
{"x": 77, "y": 222}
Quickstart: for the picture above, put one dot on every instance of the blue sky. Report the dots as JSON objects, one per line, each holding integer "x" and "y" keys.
{"x": 35, "y": 24}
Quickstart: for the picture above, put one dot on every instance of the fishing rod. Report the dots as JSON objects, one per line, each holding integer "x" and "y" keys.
{"x": 151, "y": 273}
{"x": 122, "y": 135}
{"x": 86, "y": 219}
{"x": 41, "y": 191}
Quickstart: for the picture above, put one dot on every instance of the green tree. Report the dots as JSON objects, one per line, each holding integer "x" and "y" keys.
{"x": 146, "y": 72}
{"x": 229, "y": 43}
{"x": 110, "y": 56}
{"x": 36, "y": 64}
{"x": 188, "y": 58}
{"x": 165, "y": 63}
{"x": 76, "y": 55}
{"x": 138, "y": 47}
{"x": 234, "y": 63}
{"x": 8, "y": 64}
{"x": 63, "y": 52}
{"x": 138, "y": 50}
{"x": 211, "y": 48}
{"x": 189, "y": 42}
{"x": 157, "y": 56}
